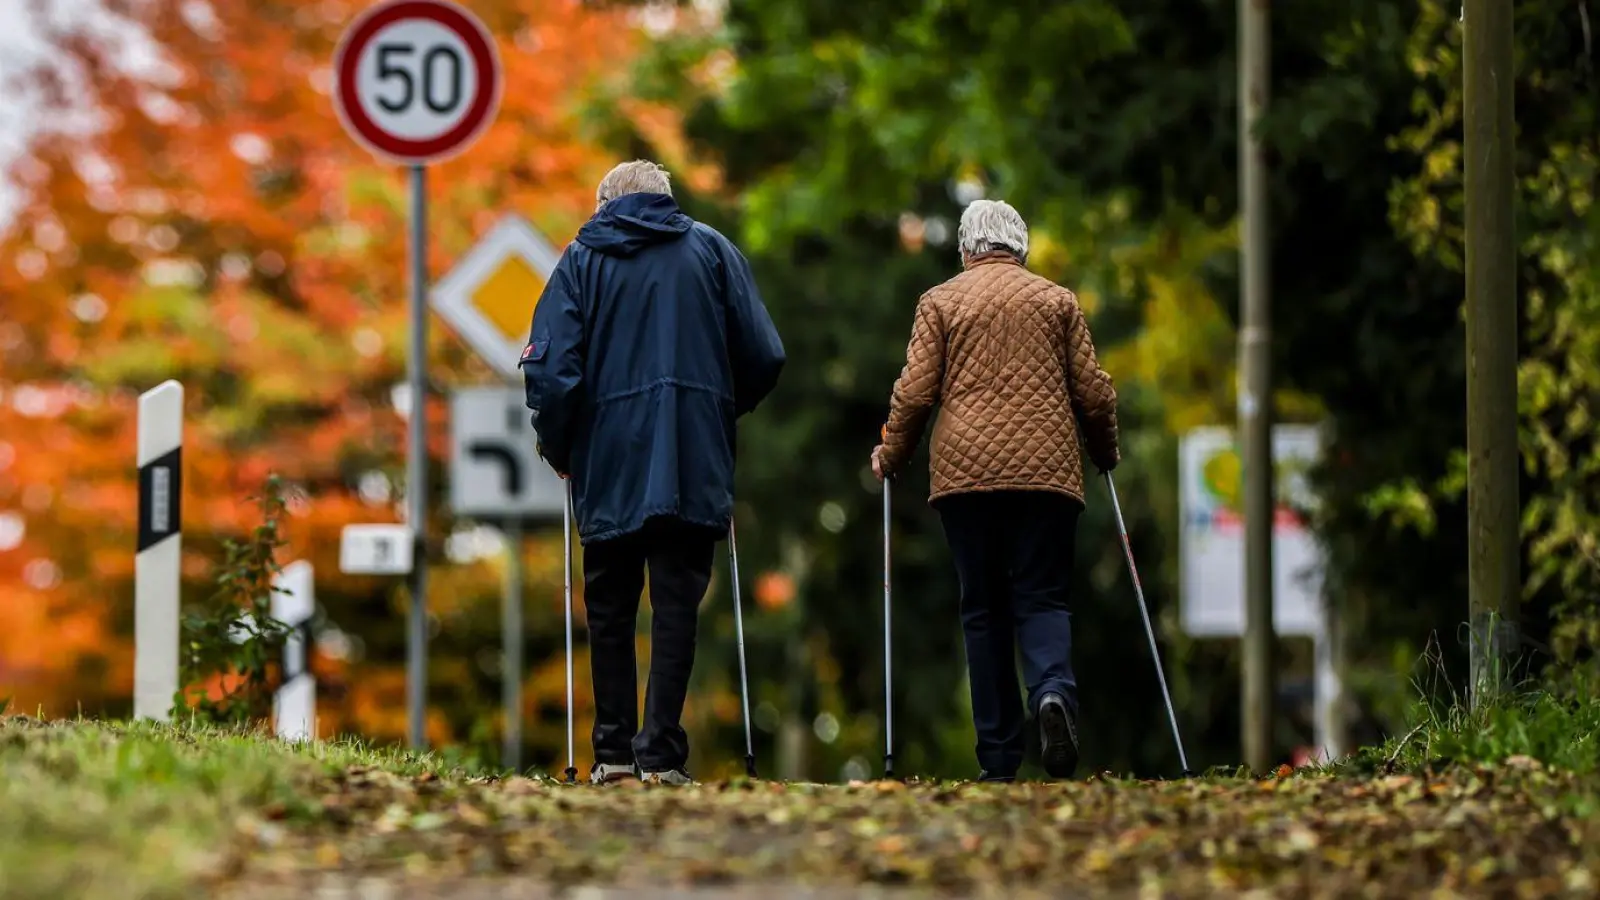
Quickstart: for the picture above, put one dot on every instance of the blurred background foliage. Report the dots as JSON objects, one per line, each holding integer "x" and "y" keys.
{"x": 219, "y": 228}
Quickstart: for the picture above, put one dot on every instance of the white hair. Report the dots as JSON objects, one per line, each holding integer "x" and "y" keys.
{"x": 989, "y": 225}
{"x": 638, "y": 177}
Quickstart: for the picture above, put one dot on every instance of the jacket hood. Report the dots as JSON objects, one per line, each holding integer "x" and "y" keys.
{"x": 633, "y": 222}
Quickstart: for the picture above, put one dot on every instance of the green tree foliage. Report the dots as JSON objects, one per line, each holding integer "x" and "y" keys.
{"x": 1558, "y": 171}
{"x": 842, "y": 131}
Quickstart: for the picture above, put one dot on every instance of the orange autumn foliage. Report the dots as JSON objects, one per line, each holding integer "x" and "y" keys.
{"x": 221, "y": 229}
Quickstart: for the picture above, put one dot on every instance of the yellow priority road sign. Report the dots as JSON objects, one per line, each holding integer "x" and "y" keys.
{"x": 488, "y": 298}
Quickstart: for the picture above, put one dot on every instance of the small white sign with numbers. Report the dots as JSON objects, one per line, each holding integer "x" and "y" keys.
{"x": 375, "y": 550}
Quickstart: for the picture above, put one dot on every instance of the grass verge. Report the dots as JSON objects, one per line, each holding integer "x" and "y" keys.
{"x": 1559, "y": 729}
{"x": 106, "y": 810}
{"x": 114, "y": 810}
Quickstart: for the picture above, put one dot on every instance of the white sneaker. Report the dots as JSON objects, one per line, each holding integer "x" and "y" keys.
{"x": 670, "y": 776}
{"x": 611, "y": 773}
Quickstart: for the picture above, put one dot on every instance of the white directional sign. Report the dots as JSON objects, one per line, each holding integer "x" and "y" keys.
{"x": 495, "y": 469}
{"x": 488, "y": 298}
{"x": 416, "y": 80}
{"x": 375, "y": 550}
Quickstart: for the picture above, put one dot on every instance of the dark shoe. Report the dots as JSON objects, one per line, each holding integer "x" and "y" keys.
{"x": 986, "y": 778}
{"x": 1058, "y": 737}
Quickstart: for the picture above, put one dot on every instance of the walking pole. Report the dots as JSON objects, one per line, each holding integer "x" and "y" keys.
{"x": 566, "y": 540}
{"x": 738, "y": 629}
{"x": 1149, "y": 632}
{"x": 888, "y": 650}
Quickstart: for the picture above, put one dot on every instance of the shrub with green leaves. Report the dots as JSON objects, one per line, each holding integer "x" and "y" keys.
{"x": 235, "y": 636}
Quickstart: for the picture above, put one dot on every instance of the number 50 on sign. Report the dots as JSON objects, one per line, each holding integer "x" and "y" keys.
{"x": 417, "y": 80}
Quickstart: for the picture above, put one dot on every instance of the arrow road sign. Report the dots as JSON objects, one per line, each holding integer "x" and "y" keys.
{"x": 495, "y": 469}
{"x": 417, "y": 80}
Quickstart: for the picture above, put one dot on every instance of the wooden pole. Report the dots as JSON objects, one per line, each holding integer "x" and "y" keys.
{"x": 1255, "y": 395}
{"x": 1493, "y": 527}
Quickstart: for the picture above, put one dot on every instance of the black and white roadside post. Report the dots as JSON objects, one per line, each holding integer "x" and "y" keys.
{"x": 156, "y": 568}
{"x": 294, "y": 704}
{"x": 294, "y": 707}
{"x": 416, "y": 81}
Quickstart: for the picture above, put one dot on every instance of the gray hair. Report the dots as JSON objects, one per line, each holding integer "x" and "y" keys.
{"x": 638, "y": 177}
{"x": 989, "y": 225}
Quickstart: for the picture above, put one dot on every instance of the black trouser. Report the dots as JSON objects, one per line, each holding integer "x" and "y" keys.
{"x": 1013, "y": 554}
{"x": 679, "y": 558}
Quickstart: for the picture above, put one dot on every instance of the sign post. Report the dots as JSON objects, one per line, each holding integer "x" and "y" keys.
{"x": 416, "y": 82}
{"x": 495, "y": 473}
{"x": 511, "y": 649}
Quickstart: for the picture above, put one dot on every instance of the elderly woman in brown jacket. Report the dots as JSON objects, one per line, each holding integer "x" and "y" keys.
{"x": 1006, "y": 356}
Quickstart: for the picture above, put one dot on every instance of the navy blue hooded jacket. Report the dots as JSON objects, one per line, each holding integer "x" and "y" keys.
{"x": 649, "y": 341}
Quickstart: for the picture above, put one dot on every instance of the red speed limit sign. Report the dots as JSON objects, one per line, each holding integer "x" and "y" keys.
{"x": 417, "y": 80}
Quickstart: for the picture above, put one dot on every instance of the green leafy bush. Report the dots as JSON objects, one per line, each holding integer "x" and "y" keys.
{"x": 231, "y": 651}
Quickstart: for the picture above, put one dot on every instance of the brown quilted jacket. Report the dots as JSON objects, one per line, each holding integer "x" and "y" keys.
{"x": 1007, "y": 357}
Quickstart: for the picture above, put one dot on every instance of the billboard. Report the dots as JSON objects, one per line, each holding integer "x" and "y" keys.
{"x": 1211, "y": 543}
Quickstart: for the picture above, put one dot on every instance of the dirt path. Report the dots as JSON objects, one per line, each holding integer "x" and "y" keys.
{"x": 336, "y": 887}
{"x": 371, "y": 834}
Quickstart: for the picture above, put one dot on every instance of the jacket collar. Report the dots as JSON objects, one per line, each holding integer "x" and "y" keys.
{"x": 992, "y": 257}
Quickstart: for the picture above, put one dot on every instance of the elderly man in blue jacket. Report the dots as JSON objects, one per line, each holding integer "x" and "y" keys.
{"x": 648, "y": 344}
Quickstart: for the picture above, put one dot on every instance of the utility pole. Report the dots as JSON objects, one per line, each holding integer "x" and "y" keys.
{"x": 1493, "y": 535}
{"x": 1255, "y": 395}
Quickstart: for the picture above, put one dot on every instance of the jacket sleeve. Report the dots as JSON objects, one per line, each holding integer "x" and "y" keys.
{"x": 916, "y": 391}
{"x": 1094, "y": 399}
{"x": 755, "y": 352}
{"x": 552, "y": 366}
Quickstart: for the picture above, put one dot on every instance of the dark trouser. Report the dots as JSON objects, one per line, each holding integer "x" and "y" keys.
{"x": 679, "y": 559}
{"x": 1013, "y": 554}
